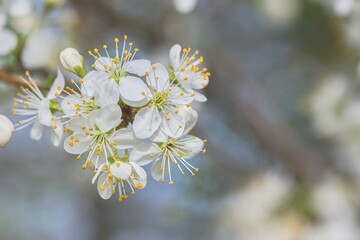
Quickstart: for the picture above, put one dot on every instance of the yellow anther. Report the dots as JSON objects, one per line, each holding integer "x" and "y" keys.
{"x": 204, "y": 151}
{"x": 192, "y": 174}
{"x": 56, "y": 95}
{"x": 27, "y": 73}
{"x": 83, "y": 167}
{"x": 118, "y": 164}
{"x": 125, "y": 37}
{"x": 138, "y": 185}
{"x": 81, "y": 81}
{"x": 71, "y": 144}
{"x": 78, "y": 157}
{"x": 96, "y": 50}
{"x": 162, "y": 180}
{"x": 190, "y": 129}
{"x": 181, "y": 93}
{"x": 133, "y": 192}
{"x": 131, "y": 43}
{"x": 136, "y": 49}
{"x": 55, "y": 126}
{"x": 90, "y": 53}
{"x": 143, "y": 93}
{"x": 171, "y": 183}
{"x": 102, "y": 187}
{"x": 105, "y": 46}
{"x": 196, "y": 169}
{"x": 153, "y": 68}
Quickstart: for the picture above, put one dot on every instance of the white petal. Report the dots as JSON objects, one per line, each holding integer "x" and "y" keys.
{"x": 108, "y": 117}
{"x": 156, "y": 170}
{"x": 174, "y": 55}
{"x": 97, "y": 173}
{"x": 73, "y": 147}
{"x": 191, "y": 117}
{"x": 158, "y": 78}
{"x": 36, "y": 131}
{"x": 199, "y": 97}
{"x": 194, "y": 145}
{"x": 146, "y": 122}
{"x": 57, "y": 86}
{"x": 138, "y": 67}
{"x": 98, "y": 160}
{"x": 140, "y": 174}
{"x": 8, "y": 41}
{"x": 184, "y": 6}
{"x": 179, "y": 97}
{"x": 107, "y": 93}
{"x": 44, "y": 113}
{"x": 104, "y": 61}
{"x": 124, "y": 139}
{"x": 56, "y": 133}
{"x": 68, "y": 104}
{"x": 121, "y": 170}
{"x": 106, "y": 193}
{"x": 76, "y": 124}
{"x": 90, "y": 82}
{"x": 173, "y": 124}
{"x": 159, "y": 136}
{"x": 137, "y": 103}
{"x": 144, "y": 153}
{"x": 133, "y": 89}
{"x": 198, "y": 82}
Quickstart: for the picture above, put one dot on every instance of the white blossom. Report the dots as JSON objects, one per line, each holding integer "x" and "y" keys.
{"x": 8, "y": 41}
{"x": 30, "y": 102}
{"x": 97, "y": 138}
{"x": 164, "y": 151}
{"x": 164, "y": 101}
{"x": 186, "y": 70}
{"x": 116, "y": 175}
{"x": 111, "y": 81}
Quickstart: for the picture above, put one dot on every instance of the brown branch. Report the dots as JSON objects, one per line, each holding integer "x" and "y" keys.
{"x": 11, "y": 79}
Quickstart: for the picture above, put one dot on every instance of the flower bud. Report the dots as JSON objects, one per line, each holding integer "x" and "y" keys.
{"x": 6, "y": 130}
{"x": 73, "y": 62}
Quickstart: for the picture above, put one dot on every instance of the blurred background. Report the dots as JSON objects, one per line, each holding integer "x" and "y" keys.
{"x": 282, "y": 121}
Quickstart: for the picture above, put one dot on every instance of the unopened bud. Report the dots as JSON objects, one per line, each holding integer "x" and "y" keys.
{"x": 73, "y": 62}
{"x": 6, "y": 130}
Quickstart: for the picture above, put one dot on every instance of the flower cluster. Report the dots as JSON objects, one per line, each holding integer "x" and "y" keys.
{"x": 123, "y": 114}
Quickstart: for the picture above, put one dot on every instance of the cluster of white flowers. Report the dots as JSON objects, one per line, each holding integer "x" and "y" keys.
{"x": 123, "y": 114}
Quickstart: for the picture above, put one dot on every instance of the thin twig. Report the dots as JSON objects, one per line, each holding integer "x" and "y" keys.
{"x": 11, "y": 79}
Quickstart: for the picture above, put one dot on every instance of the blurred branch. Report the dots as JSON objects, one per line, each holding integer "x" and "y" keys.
{"x": 10, "y": 79}
{"x": 269, "y": 125}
